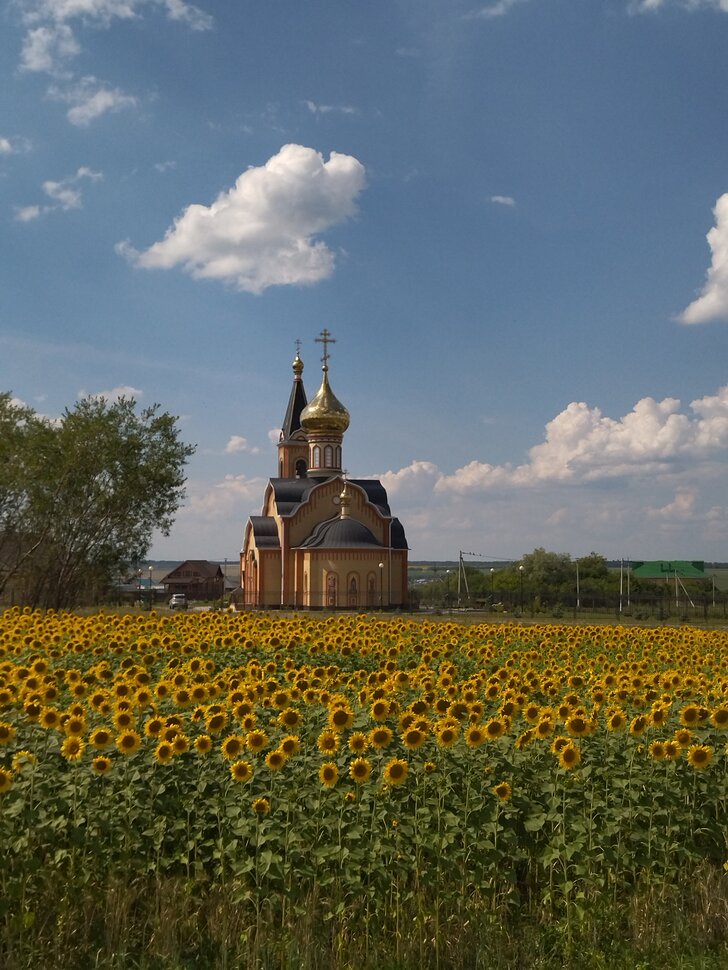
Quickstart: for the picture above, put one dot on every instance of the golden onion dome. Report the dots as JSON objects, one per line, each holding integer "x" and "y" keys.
{"x": 325, "y": 413}
{"x": 297, "y": 366}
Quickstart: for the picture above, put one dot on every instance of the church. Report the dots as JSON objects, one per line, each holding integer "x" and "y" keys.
{"x": 322, "y": 540}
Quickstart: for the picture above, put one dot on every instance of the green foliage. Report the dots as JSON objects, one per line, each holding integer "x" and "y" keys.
{"x": 81, "y": 497}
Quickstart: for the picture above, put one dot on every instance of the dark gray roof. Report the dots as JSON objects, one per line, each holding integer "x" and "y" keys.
{"x": 340, "y": 533}
{"x": 296, "y": 403}
{"x": 265, "y": 532}
{"x": 291, "y": 492}
{"x": 399, "y": 540}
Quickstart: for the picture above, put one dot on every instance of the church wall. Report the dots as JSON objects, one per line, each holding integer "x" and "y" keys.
{"x": 323, "y": 505}
{"x": 325, "y": 579}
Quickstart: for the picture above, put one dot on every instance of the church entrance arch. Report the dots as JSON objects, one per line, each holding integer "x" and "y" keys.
{"x": 352, "y": 587}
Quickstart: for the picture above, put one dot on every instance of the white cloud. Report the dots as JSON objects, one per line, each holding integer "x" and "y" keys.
{"x": 324, "y": 109}
{"x": 503, "y": 199}
{"x": 712, "y": 304}
{"x": 583, "y": 446}
{"x": 498, "y": 9}
{"x": 65, "y": 193}
{"x": 89, "y": 99}
{"x": 647, "y": 6}
{"x": 262, "y": 232}
{"x": 47, "y": 49}
{"x": 162, "y": 167}
{"x": 274, "y": 435}
{"x": 14, "y": 145}
{"x": 115, "y": 394}
{"x": 236, "y": 444}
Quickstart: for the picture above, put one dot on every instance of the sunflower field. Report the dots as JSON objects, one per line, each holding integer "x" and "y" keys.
{"x": 268, "y": 791}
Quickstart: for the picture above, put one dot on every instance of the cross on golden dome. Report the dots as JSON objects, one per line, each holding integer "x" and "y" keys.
{"x": 325, "y": 338}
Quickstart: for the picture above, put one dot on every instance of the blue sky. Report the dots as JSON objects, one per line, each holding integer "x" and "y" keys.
{"x": 513, "y": 217}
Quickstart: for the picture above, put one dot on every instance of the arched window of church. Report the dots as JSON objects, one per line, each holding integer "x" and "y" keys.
{"x": 316, "y": 457}
{"x": 301, "y": 468}
{"x": 338, "y": 456}
{"x": 371, "y": 590}
{"x": 328, "y": 456}
{"x": 331, "y": 589}
{"x": 353, "y": 590}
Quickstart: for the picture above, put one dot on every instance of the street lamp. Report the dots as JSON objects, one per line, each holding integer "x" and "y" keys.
{"x": 492, "y": 586}
{"x": 520, "y": 572}
{"x": 381, "y": 584}
{"x": 151, "y": 594}
{"x": 139, "y": 586}
{"x": 447, "y": 595}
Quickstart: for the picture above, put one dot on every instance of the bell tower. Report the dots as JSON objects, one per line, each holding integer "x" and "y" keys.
{"x": 324, "y": 421}
{"x": 292, "y": 444}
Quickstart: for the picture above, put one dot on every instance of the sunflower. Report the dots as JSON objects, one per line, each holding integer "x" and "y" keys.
{"x": 577, "y": 726}
{"x": 50, "y": 718}
{"x": 232, "y": 746}
{"x": 153, "y": 727}
{"x": 446, "y": 735}
{"x": 700, "y": 756}
{"x": 123, "y": 720}
{"x": 380, "y": 737}
{"x": 290, "y": 718}
{"x": 341, "y": 718}
{"x": 672, "y": 750}
{"x": 690, "y": 716}
{"x": 657, "y": 750}
{"x": 6, "y": 780}
{"x": 101, "y": 764}
{"x": 72, "y": 748}
{"x": 257, "y": 740}
{"x": 719, "y": 718}
{"x": 261, "y": 807}
{"x": 128, "y": 742}
{"x": 180, "y": 743}
{"x": 203, "y": 744}
{"x": 413, "y": 738}
{"x": 21, "y": 759}
{"x": 290, "y": 744}
{"x": 395, "y": 771}
{"x": 569, "y": 756}
{"x": 523, "y": 740}
{"x": 543, "y": 728}
{"x": 216, "y": 722}
{"x": 360, "y": 769}
{"x": 638, "y": 725}
{"x": 495, "y": 728}
{"x": 429, "y": 767}
{"x": 358, "y": 742}
{"x": 275, "y": 759}
{"x": 75, "y": 726}
{"x": 328, "y": 774}
{"x": 379, "y": 710}
{"x": 328, "y": 742}
{"x": 163, "y": 753}
{"x": 683, "y": 737}
{"x": 241, "y": 771}
{"x": 475, "y": 736}
{"x": 7, "y": 732}
{"x": 616, "y": 721}
{"x": 502, "y": 791}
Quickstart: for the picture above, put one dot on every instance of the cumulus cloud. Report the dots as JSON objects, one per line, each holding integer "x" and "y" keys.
{"x": 498, "y": 9}
{"x": 647, "y": 6}
{"x": 236, "y": 444}
{"x": 90, "y": 99}
{"x": 14, "y": 145}
{"x": 47, "y": 49}
{"x": 65, "y": 194}
{"x": 712, "y": 304}
{"x": 262, "y": 232}
{"x": 114, "y": 394}
{"x": 582, "y": 445}
{"x": 503, "y": 199}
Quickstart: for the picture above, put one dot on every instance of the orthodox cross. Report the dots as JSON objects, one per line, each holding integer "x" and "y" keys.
{"x": 325, "y": 338}
{"x": 298, "y": 347}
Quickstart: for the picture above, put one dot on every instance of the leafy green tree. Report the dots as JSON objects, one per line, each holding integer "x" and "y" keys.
{"x": 83, "y": 495}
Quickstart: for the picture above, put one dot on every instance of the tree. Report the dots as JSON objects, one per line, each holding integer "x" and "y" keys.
{"x": 88, "y": 492}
